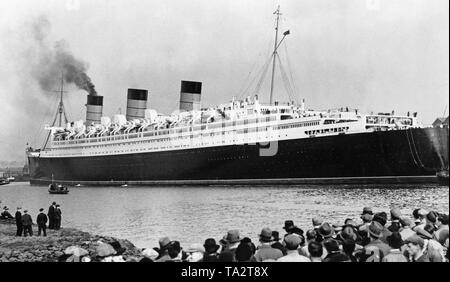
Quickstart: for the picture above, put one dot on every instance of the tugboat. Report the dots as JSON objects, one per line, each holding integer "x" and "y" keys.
{"x": 442, "y": 177}
{"x": 57, "y": 188}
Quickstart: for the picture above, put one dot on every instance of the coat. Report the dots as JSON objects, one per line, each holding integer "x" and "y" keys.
{"x": 41, "y": 219}
{"x": 51, "y": 211}
{"x": 26, "y": 220}
{"x": 57, "y": 214}
{"x": 18, "y": 218}
{"x": 266, "y": 251}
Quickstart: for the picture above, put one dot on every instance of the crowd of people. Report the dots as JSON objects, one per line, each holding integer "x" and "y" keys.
{"x": 24, "y": 222}
{"x": 377, "y": 237}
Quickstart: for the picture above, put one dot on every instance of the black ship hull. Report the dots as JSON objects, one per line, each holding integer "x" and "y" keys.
{"x": 413, "y": 155}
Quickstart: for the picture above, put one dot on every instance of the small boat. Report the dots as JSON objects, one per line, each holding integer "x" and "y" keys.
{"x": 442, "y": 177}
{"x": 78, "y": 185}
{"x": 57, "y": 189}
{"x": 124, "y": 185}
{"x": 4, "y": 181}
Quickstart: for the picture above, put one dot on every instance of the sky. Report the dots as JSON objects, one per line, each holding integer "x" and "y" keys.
{"x": 373, "y": 55}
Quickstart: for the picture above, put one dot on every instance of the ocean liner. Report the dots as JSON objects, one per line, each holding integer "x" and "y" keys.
{"x": 242, "y": 141}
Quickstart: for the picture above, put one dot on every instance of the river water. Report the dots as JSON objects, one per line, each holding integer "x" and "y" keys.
{"x": 192, "y": 214}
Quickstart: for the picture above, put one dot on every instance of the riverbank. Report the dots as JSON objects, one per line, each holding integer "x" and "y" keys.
{"x": 66, "y": 244}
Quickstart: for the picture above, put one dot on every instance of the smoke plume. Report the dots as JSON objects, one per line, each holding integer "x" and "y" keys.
{"x": 56, "y": 60}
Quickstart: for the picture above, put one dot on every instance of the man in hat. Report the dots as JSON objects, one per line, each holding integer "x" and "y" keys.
{"x": 5, "y": 214}
{"x": 244, "y": 253}
{"x": 195, "y": 253}
{"x": 42, "y": 222}
{"x": 163, "y": 251}
{"x": 334, "y": 252}
{"x": 367, "y": 210}
{"x": 366, "y": 220}
{"x": 211, "y": 248}
{"x": 442, "y": 231}
{"x": 416, "y": 249}
{"x": 325, "y": 231}
{"x": 288, "y": 226}
{"x": 381, "y": 217}
{"x": 276, "y": 242}
{"x": 419, "y": 218}
{"x": 376, "y": 250}
{"x": 19, "y": 221}
{"x": 176, "y": 253}
{"x": 395, "y": 220}
{"x": 27, "y": 222}
{"x": 405, "y": 228}
{"x": 57, "y": 218}
{"x": 311, "y": 236}
{"x": 348, "y": 248}
{"x": 395, "y": 254}
{"x": 315, "y": 250}
{"x": 317, "y": 222}
{"x": 292, "y": 242}
{"x": 433, "y": 248}
{"x": 51, "y": 216}
{"x": 230, "y": 242}
{"x": 265, "y": 250}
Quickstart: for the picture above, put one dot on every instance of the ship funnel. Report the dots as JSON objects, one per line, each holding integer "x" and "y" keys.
{"x": 94, "y": 109}
{"x": 190, "y": 95}
{"x": 136, "y": 103}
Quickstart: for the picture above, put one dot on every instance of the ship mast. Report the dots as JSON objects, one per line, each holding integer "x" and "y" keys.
{"x": 61, "y": 111}
{"x": 274, "y": 54}
{"x": 61, "y": 104}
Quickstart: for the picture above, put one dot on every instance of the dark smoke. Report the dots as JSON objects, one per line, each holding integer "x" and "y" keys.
{"x": 56, "y": 60}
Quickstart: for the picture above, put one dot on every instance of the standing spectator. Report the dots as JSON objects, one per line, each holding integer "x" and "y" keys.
{"x": 265, "y": 250}
{"x": 57, "y": 218}
{"x": 230, "y": 242}
{"x": 334, "y": 253}
{"x": 405, "y": 230}
{"x": 164, "y": 244}
{"x": 311, "y": 236}
{"x": 27, "y": 222}
{"x": 395, "y": 220}
{"x": 376, "y": 250}
{"x": 442, "y": 228}
{"x": 315, "y": 250}
{"x": 420, "y": 220}
{"x": 42, "y": 222}
{"x": 19, "y": 221}
{"x": 211, "y": 249}
{"x": 395, "y": 253}
{"x": 416, "y": 249}
{"x": 289, "y": 227}
{"x": 317, "y": 222}
{"x": 175, "y": 252}
{"x": 381, "y": 217}
{"x": 431, "y": 219}
{"x": 244, "y": 253}
{"x": 195, "y": 253}
{"x": 348, "y": 246}
{"x": 432, "y": 247}
{"x": 51, "y": 216}
{"x": 325, "y": 231}
{"x": 276, "y": 242}
{"x": 292, "y": 242}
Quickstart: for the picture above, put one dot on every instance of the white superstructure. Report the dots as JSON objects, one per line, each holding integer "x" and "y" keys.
{"x": 234, "y": 123}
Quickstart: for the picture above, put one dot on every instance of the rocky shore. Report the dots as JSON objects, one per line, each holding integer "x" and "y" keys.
{"x": 64, "y": 245}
